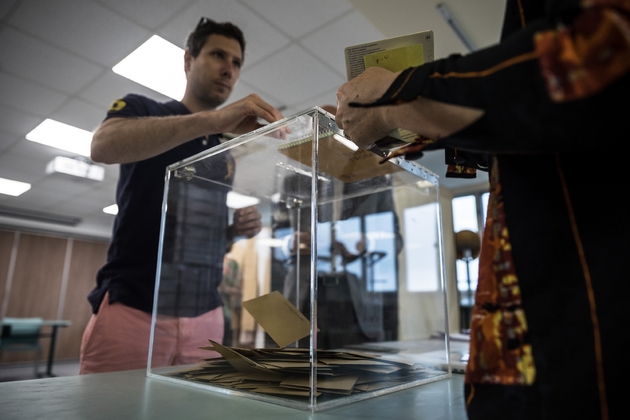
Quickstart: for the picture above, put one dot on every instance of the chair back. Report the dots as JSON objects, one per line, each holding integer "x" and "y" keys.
{"x": 20, "y": 332}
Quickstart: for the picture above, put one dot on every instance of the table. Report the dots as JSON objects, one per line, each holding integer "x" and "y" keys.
{"x": 132, "y": 395}
{"x": 55, "y": 324}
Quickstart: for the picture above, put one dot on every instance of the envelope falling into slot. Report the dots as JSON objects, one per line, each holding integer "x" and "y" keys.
{"x": 279, "y": 318}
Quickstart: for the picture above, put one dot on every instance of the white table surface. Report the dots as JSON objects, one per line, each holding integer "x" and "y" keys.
{"x": 132, "y": 395}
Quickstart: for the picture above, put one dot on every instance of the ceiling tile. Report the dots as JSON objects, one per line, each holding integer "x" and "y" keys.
{"x": 261, "y": 39}
{"x": 27, "y": 96}
{"x": 80, "y": 113}
{"x": 329, "y": 42}
{"x": 326, "y": 98}
{"x": 112, "y": 86}
{"x": 81, "y": 27}
{"x": 148, "y": 13}
{"x": 481, "y": 21}
{"x": 8, "y": 140}
{"x": 66, "y": 186}
{"x": 39, "y": 154}
{"x": 15, "y": 203}
{"x": 292, "y": 75}
{"x": 299, "y": 17}
{"x": 243, "y": 89}
{"x": 20, "y": 168}
{"x": 38, "y": 61}
{"x": 41, "y": 199}
{"x": 58, "y": 196}
{"x": 84, "y": 202}
{"x": 5, "y": 7}
{"x": 17, "y": 122}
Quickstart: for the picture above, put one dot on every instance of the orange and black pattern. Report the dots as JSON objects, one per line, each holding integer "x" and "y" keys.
{"x": 583, "y": 59}
{"x": 460, "y": 171}
{"x": 499, "y": 351}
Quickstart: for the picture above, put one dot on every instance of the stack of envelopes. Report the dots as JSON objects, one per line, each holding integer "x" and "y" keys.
{"x": 286, "y": 371}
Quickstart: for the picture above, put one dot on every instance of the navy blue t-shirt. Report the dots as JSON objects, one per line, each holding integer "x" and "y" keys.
{"x": 130, "y": 272}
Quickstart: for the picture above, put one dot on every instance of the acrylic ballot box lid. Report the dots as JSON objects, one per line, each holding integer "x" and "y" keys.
{"x": 338, "y": 297}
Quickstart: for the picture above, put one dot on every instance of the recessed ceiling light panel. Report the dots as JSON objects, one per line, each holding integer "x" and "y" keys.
{"x": 113, "y": 209}
{"x": 158, "y": 65}
{"x": 14, "y": 188}
{"x": 62, "y": 136}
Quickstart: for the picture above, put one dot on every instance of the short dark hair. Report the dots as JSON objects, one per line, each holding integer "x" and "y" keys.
{"x": 206, "y": 27}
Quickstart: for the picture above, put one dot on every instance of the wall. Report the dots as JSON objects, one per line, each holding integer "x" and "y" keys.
{"x": 49, "y": 277}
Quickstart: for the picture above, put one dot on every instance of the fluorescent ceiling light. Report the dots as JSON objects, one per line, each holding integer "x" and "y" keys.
{"x": 14, "y": 188}
{"x": 158, "y": 65}
{"x": 237, "y": 201}
{"x": 113, "y": 209}
{"x": 62, "y": 136}
{"x": 75, "y": 167}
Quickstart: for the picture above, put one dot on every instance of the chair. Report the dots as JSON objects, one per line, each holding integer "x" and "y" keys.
{"x": 22, "y": 334}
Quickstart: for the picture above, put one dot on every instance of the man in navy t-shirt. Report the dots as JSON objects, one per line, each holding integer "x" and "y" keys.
{"x": 144, "y": 137}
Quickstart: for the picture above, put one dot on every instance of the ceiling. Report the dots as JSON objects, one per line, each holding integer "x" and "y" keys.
{"x": 56, "y": 58}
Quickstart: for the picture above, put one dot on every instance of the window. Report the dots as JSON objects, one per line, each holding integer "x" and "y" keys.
{"x": 421, "y": 245}
{"x": 469, "y": 213}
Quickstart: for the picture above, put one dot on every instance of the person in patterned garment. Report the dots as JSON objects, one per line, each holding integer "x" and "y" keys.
{"x": 542, "y": 111}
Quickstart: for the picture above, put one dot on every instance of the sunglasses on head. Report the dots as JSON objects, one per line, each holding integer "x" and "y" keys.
{"x": 204, "y": 21}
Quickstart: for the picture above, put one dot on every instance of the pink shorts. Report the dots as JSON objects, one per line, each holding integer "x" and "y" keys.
{"x": 117, "y": 338}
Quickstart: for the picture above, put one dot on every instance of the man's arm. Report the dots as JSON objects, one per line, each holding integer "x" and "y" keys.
{"x": 123, "y": 140}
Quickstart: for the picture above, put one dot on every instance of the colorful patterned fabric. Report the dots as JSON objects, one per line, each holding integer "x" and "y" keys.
{"x": 499, "y": 350}
{"x": 548, "y": 332}
{"x": 583, "y": 59}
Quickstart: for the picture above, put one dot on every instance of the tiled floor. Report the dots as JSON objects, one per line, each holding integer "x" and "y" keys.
{"x": 23, "y": 371}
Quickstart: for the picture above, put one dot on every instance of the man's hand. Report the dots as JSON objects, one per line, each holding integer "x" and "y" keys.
{"x": 124, "y": 140}
{"x": 301, "y": 243}
{"x": 364, "y": 126}
{"x": 242, "y": 116}
{"x": 247, "y": 221}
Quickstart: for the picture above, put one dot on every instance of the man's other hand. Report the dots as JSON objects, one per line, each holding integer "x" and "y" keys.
{"x": 247, "y": 221}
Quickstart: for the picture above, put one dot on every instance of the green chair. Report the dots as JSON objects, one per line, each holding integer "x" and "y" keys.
{"x": 22, "y": 334}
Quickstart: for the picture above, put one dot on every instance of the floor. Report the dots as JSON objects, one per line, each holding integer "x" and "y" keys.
{"x": 25, "y": 371}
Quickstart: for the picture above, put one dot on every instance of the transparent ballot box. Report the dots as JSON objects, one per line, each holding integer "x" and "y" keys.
{"x": 336, "y": 294}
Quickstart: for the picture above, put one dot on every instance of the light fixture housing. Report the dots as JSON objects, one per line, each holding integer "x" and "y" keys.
{"x": 75, "y": 167}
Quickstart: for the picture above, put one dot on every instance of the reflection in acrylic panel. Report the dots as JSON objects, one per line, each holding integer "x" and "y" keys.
{"x": 421, "y": 247}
